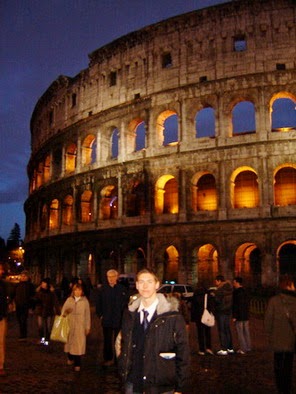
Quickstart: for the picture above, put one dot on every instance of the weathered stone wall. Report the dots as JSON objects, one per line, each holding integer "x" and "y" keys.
{"x": 205, "y": 70}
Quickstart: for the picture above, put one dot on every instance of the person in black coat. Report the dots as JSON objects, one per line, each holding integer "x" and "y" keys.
{"x": 111, "y": 301}
{"x": 153, "y": 350}
{"x": 203, "y": 331}
{"x": 23, "y": 298}
{"x": 240, "y": 315}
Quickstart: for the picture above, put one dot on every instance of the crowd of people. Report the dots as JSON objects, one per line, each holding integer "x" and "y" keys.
{"x": 146, "y": 336}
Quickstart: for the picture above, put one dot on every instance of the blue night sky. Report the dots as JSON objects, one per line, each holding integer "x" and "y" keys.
{"x": 40, "y": 41}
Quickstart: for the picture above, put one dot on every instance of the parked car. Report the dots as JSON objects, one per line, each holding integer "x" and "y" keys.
{"x": 185, "y": 290}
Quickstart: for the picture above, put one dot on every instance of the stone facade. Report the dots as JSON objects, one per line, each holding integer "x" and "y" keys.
{"x": 114, "y": 184}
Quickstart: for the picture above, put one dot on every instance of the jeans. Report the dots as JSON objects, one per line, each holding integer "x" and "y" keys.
{"x": 44, "y": 326}
{"x": 243, "y": 334}
{"x": 223, "y": 322}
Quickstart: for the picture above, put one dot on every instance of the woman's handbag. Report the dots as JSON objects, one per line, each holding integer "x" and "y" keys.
{"x": 60, "y": 329}
{"x": 207, "y": 318}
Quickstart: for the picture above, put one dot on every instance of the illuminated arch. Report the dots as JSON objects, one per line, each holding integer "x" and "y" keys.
{"x": 206, "y": 264}
{"x": 204, "y": 192}
{"x": 285, "y": 185}
{"x": 67, "y": 215}
{"x": 244, "y": 190}
{"x": 247, "y": 263}
{"x": 166, "y": 195}
{"x": 108, "y": 208}
{"x": 167, "y": 128}
{"x": 54, "y": 214}
{"x": 86, "y": 206}
{"x": 87, "y": 151}
{"x": 47, "y": 169}
{"x": 71, "y": 158}
{"x": 171, "y": 264}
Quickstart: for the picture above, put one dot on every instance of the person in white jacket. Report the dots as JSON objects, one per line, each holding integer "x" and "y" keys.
{"x": 77, "y": 308}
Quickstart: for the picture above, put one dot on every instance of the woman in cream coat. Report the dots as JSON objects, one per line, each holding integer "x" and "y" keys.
{"x": 77, "y": 309}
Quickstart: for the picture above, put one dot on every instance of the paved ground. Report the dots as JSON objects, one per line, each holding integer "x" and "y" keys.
{"x": 37, "y": 369}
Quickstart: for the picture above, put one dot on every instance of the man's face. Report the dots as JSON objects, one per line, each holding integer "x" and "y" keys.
{"x": 23, "y": 278}
{"x": 112, "y": 279}
{"x": 147, "y": 285}
{"x": 217, "y": 282}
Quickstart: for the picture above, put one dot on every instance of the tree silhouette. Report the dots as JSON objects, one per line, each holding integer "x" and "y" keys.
{"x": 14, "y": 239}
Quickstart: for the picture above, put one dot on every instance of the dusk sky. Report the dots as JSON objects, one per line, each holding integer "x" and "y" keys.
{"x": 40, "y": 41}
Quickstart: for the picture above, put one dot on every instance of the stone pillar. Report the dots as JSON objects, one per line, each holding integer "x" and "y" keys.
{"x": 120, "y": 197}
{"x": 79, "y": 155}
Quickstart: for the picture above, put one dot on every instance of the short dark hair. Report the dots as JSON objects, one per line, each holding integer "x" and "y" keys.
{"x": 220, "y": 278}
{"x": 239, "y": 279}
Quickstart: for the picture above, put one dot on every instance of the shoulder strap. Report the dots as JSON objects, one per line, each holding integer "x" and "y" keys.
{"x": 206, "y": 301}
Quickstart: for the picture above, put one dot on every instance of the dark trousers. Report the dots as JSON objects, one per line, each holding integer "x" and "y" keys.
{"x": 203, "y": 336}
{"x": 283, "y": 370}
{"x": 110, "y": 335}
{"x": 75, "y": 358}
{"x": 225, "y": 336}
{"x": 22, "y": 313}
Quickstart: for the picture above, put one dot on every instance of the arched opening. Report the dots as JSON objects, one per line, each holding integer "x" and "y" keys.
{"x": 88, "y": 153}
{"x": 54, "y": 214}
{"x": 205, "y": 196}
{"x": 46, "y": 170}
{"x": 243, "y": 118}
{"x": 286, "y": 258}
{"x": 245, "y": 190}
{"x": 68, "y": 210}
{"x": 283, "y": 113}
{"x": 140, "y": 136}
{"x": 39, "y": 174}
{"x": 115, "y": 144}
{"x": 71, "y": 157}
{"x": 86, "y": 206}
{"x": 248, "y": 264}
{"x": 171, "y": 264}
{"x": 135, "y": 200}
{"x": 166, "y": 195}
{"x": 167, "y": 128}
{"x": 207, "y": 265}
{"x": 44, "y": 218}
{"x": 285, "y": 186}
{"x": 108, "y": 203}
{"x": 205, "y": 123}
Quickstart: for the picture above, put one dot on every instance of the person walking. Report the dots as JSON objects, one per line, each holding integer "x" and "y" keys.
{"x": 240, "y": 315}
{"x": 77, "y": 308}
{"x": 111, "y": 300}
{"x": 23, "y": 298}
{"x": 203, "y": 331}
{"x": 223, "y": 309}
{"x": 3, "y": 319}
{"x": 47, "y": 306}
{"x": 153, "y": 355}
{"x": 280, "y": 326}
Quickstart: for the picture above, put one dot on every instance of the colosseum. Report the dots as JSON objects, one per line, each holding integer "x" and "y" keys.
{"x": 174, "y": 149}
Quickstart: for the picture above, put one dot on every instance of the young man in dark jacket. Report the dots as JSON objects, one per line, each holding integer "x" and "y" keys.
{"x": 240, "y": 315}
{"x": 154, "y": 351}
{"x": 223, "y": 310}
{"x": 111, "y": 301}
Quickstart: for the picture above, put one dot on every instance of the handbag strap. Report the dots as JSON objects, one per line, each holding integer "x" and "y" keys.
{"x": 206, "y": 301}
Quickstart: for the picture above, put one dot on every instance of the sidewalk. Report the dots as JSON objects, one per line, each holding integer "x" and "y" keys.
{"x": 38, "y": 369}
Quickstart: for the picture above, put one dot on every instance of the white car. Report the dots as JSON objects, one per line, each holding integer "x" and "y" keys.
{"x": 185, "y": 290}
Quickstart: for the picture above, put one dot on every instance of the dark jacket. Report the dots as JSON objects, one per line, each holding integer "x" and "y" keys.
{"x": 24, "y": 294}
{"x": 280, "y": 333}
{"x": 223, "y": 299}
{"x": 3, "y": 299}
{"x": 197, "y": 304}
{"x": 111, "y": 302}
{"x": 240, "y": 307}
{"x": 46, "y": 303}
{"x": 167, "y": 334}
